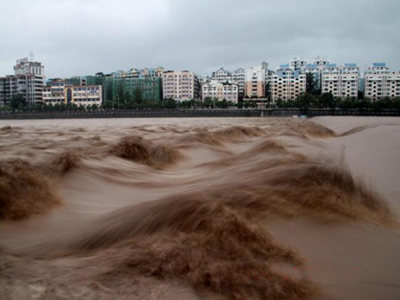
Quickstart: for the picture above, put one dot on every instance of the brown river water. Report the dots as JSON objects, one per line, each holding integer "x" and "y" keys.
{"x": 200, "y": 208}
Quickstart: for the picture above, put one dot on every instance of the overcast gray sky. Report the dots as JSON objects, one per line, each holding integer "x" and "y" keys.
{"x": 81, "y": 37}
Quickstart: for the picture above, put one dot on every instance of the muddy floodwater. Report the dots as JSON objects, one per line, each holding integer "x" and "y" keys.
{"x": 200, "y": 208}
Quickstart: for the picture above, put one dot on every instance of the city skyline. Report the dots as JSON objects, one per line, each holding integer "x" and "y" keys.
{"x": 270, "y": 66}
{"x": 201, "y": 36}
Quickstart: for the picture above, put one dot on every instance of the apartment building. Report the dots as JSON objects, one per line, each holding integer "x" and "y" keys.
{"x": 2, "y": 91}
{"x": 27, "y": 81}
{"x": 255, "y": 81}
{"x": 315, "y": 70}
{"x": 152, "y": 73}
{"x": 132, "y": 87}
{"x": 221, "y": 75}
{"x": 321, "y": 62}
{"x": 340, "y": 81}
{"x": 380, "y": 82}
{"x": 59, "y": 91}
{"x": 204, "y": 79}
{"x": 145, "y": 88}
{"x": 76, "y": 80}
{"x": 220, "y": 91}
{"x": 119, "y": 74}
{"x": 297, "y": 63}
{"x": 8, "y": 88}
{"x": 145, "y": 73}
{"x": 134, "y": 73}
{"x": 239, "y": 78}
{"x": 181, "y": 86}
{"x": 286, "y": 83}
{"x": 53, "y": 92}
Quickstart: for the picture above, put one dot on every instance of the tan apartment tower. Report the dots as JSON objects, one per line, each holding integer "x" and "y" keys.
{"x": 255, "y": 82}
{"x": 181, "y": 85}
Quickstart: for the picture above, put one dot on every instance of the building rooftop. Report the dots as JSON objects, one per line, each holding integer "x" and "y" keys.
{"x": 379, "y": 64}
{"x": 351, "y": 65}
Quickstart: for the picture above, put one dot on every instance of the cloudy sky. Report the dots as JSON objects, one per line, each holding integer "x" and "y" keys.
{"x": 81, "y": 37}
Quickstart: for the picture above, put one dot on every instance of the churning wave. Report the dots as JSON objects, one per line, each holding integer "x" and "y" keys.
{"x": 212, "y": 237}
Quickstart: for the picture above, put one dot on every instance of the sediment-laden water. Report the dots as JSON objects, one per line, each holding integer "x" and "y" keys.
{"x": 196, "y": 209}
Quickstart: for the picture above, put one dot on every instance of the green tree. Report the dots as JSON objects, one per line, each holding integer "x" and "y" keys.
{"x": 327, "y": 100}
{"x": 169, "y": 103}
{"x": 396, "y": 103}
{"x": 364, "y": 104}
{"x": 310, "y": 83}
{"x": 108, "y": 104}
{"x": 18, "y": 101}
{"x": 306, "y": 100}
{"x": 198, "y": 104}
{"x": 222, "y": 104}
{"x": 348, "y": 103}
{"x": 186, "y": 104}
{"x": 208, "y": 102}
{"x": 290, "y": 103}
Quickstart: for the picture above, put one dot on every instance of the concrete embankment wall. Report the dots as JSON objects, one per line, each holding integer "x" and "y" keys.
{"x": 182, "y": 113}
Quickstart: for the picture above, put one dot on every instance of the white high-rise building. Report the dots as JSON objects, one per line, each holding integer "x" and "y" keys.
{"x": 151, "y": 73}
{"x": 286, "y": 84}
{"x": 203, "y": 79}
{"x": 297, "y": 63}
{"x": 181, "y": 86}
{"x": 315, "y": 70}
{"x": 30, "y": 80}
{"x": 221, "y": 75}
{"x": 236, "y": 77}
{"x": 220, "y": 91}
{"x": 321, "y": 62}
{"x": 380, "y": 82}
{"x": 340, "y": 81}
{"x": 239, "y": 78}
